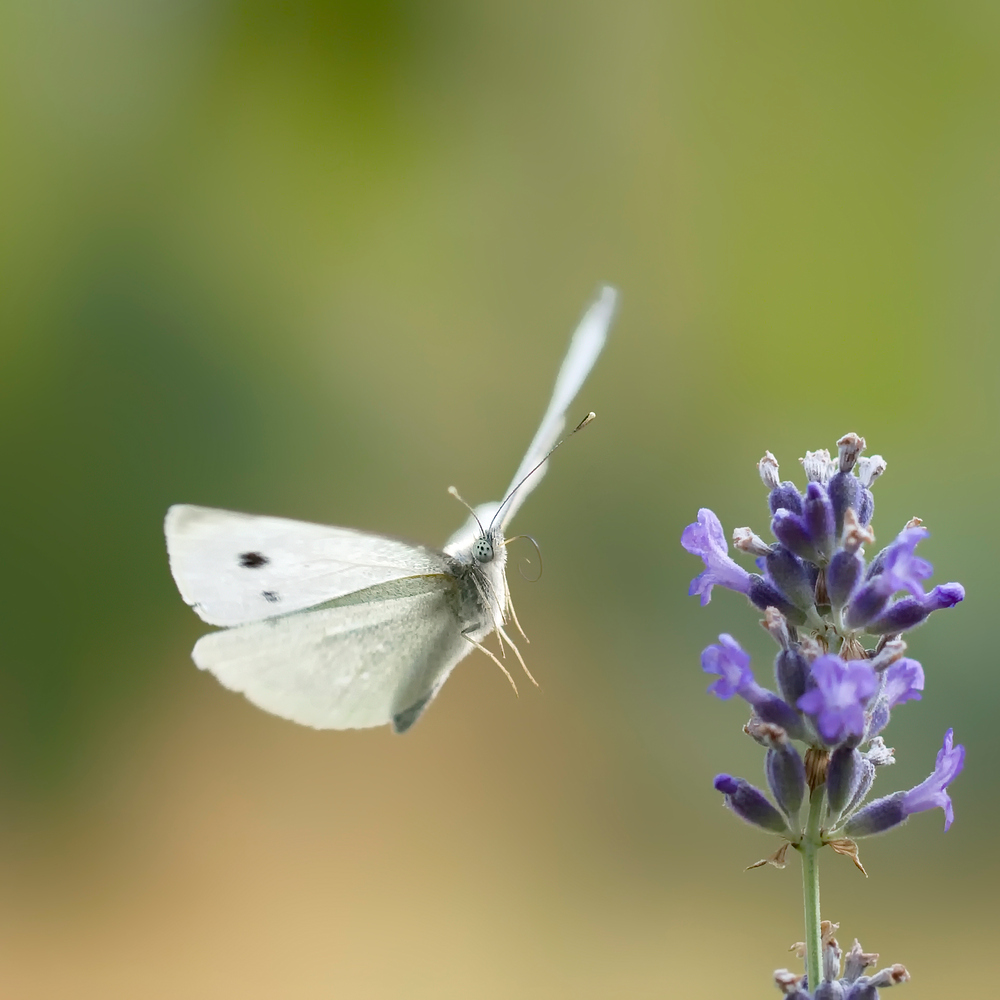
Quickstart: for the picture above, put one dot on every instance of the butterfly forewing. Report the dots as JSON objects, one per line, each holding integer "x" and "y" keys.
{"x": 234, "y": 568}
{"x": 368, "y": 659}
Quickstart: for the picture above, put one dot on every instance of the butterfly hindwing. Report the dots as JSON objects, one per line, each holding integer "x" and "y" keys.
{"x": 365, "y": 660}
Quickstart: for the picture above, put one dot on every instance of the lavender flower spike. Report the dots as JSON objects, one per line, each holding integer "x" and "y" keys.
{"x": 930, "y": 793}
{"x": 705, "y": 538}
{"x": 837, "y": 703}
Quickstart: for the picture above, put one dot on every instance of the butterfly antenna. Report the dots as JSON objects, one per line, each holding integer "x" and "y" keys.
{"x": 461, "y": 500}
{"x": 579, "y": 427}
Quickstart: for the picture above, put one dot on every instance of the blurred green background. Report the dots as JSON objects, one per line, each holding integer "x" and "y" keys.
{"x": 322, "y": 261}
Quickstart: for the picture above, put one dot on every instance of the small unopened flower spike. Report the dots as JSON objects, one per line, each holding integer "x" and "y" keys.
{"x": 768, "y": 469}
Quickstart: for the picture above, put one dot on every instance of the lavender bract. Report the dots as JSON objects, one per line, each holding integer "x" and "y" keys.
{"x": 840, "y": 672}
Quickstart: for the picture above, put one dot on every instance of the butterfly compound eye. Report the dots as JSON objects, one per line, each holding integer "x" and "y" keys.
{"x": 482, "y": 549}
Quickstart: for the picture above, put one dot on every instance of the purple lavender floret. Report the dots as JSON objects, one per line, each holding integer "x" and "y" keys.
{"x": 896, "y": 568}
{"x": 732, "y": 663}
{"x": 837, "y": 703}
{"x": 909, "y": 612}
{"x": 705, "y": 539}
{"x": 904, "y": 680}
{"x": 885, "y": 813}
{"x": 901, "y": 568}
{"x": 930, "y": 793}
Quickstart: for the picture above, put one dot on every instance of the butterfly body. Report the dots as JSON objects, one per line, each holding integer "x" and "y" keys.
{"x": 336, "y": 628}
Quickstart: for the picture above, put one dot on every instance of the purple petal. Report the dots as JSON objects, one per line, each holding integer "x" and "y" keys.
{"x": 930, "y": 793}
{"x": 901, "y": 569}
{"x": 837, "y": 702}
{"x": 705, "y": 539}
{"x": 904, "y": 680}
{"x": 732, "y": 663}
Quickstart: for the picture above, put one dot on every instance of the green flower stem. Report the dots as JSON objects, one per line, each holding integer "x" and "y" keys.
{"x": 809, "y": 847}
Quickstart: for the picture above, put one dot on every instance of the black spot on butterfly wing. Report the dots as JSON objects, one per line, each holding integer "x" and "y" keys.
{"x": 271, "y": 596}
{"x": 253, "y": 560}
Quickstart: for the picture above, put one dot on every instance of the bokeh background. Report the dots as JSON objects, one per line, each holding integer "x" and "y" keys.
{"x": 322, "y": 260}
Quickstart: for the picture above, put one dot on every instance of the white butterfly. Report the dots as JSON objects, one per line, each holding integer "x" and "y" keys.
{"x": 341, "y": 629}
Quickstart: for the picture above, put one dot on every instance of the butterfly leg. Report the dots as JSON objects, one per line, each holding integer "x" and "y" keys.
{"x": 513, "y": 616}
{"x": 520, "y": 659}
{"x": 480, "y": 646}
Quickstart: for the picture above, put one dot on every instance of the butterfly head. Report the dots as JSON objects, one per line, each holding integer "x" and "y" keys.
{"x": 482, "y": 548}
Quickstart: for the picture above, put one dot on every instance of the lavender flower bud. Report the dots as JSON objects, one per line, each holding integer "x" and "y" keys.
{"x": 842, "y": 577}
{"x": 862, "y": 990}
{"x": 791, "y": 672}
{"x": 765, "y": 596}
{"x": 750, "y": 804}
{"x": 790, "y": 576}
{"x": 844, "y": 490}
{"x": 866, "y": 506}
{"x": 790, "y": 529}
{"x": 830, "y": 990}
{"x": 819, "y": 520}
{"x": 869, "y": 469}
{"x": 786, "y": 777}
{"x": 785, "y": 496}
{"x": 844, "y": 487}
{"x": 842, "y": 776}
{"x": 877, "y": 817}
{"x": 867, "y": 603}
{"x": 878, "y": 718}
{"x": 770, "y": 708}
{"x": 866, "y": 778}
